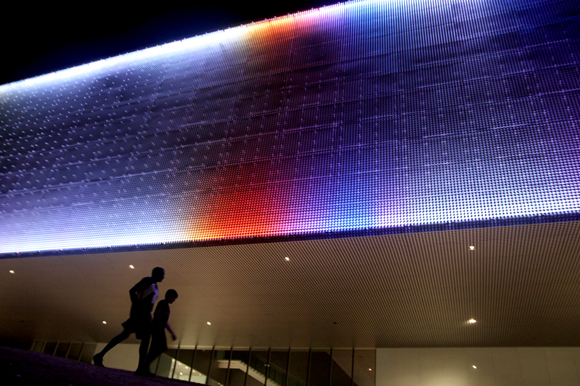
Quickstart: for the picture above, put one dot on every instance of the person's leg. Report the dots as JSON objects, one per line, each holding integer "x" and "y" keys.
{"x": 143, "y": 348}
{"x": 98, "y": 358}
{"x": 154, "y": 353}
{"x": 158, "y": 347}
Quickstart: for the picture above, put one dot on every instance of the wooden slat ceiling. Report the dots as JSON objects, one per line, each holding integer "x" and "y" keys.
{"x": 415, "y": 290}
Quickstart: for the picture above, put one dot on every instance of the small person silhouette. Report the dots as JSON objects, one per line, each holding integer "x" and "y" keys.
{"x": 158, "y": 326}
{"x": 143, "y": 295}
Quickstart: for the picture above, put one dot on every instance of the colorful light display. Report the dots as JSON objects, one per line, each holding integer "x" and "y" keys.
{"x": 364, "y": 115}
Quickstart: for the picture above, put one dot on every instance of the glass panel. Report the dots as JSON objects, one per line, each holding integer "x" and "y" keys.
{"x": 298, "y": 368}
{"x": 341, "y": 368}
{"x": 278, "y": 367}
{"x": 153, "y": 366}
{"x": 75, "y": 351}
{"x": 257, "y": 370}
{"x": 37, "y": 346}
{"x": 319, "y": 374}
{"x": 88, "y": 352}
{"x": 364, "y": 367}
{"x": 201, "y": 364}
{"x": 238, "y": 367}
{"x": 62, "y": 349}
{"x": 49, "y": 348}
{"x": 183, "y": 364}
{"x": 219, "y": 367}
{"x": 166, "y": 363}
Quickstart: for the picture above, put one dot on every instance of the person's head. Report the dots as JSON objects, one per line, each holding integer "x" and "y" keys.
{"x": 158, "y": 274}
{"x": 170, "y": 295}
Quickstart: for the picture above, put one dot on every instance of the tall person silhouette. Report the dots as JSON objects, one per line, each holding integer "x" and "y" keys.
{"x": 143, "y": 296}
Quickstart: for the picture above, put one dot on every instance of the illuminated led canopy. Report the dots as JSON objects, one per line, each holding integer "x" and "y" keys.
{"x": 370, "y": 115}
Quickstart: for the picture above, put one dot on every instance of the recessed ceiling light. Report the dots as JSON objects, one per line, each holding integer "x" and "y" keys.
{"x": 474, "y": 366}
{"x": 104, "y": 322}
{"x": 471, "y": 247}
{"x": 11, "y": 271}
{"x": 287, "y": 258}
{"x": 180, "y": 373}
{"x": 209, "y": 323}
{"x": 370, "y": 369}
{"x": 472, "y": 321}
{"x": 131, "y": 267}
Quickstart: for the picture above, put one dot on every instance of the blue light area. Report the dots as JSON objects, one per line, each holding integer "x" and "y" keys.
{"x": 370, "y": 115}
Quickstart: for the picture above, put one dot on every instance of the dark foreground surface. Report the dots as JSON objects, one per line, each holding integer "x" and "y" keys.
{"x": 21, "y": 367}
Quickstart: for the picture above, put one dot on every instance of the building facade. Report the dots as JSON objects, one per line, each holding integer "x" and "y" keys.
{"x": 365, "y": 115}
{"x": 364, "y": 119}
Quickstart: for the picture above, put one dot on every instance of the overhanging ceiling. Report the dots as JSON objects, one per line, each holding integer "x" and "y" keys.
{"x": 413, "y": 290}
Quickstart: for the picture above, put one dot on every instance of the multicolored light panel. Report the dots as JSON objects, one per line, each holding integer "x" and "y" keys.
{"x": 364, "y": 115}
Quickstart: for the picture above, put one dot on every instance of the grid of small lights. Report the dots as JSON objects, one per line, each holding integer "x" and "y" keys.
{"x": 366, "y": 115}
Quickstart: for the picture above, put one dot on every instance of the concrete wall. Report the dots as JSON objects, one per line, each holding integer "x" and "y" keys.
{"x": 123, "y": 356}
{"x": 511, "y": 366}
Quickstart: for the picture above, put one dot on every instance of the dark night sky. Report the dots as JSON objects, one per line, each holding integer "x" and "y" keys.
{"x": 37, "y": 39}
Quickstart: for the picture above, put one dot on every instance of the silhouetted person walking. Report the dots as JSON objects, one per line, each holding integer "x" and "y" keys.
{"x": 143, "y": 296}
{"x": 158, "y": 326}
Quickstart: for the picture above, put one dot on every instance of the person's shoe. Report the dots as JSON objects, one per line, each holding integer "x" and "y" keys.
{"x": 144, "y": 373}
{"x": 98, "y": 360}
